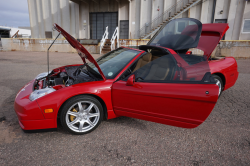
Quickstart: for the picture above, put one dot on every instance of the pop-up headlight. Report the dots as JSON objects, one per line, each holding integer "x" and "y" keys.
{"x": 39, "y": 93}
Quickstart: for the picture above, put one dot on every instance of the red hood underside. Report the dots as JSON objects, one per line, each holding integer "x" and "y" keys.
{"x": 82, "y": 52}
{"x": 210, "y": 36}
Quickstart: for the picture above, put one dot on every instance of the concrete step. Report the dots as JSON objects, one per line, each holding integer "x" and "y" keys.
{"x": 105, "y": 52}
{"x": 106, "y": 49}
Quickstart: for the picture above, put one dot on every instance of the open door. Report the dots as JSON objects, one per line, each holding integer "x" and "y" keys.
{"x": 175, "y": 90}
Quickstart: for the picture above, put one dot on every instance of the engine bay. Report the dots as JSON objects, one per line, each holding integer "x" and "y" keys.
{"x": 64, "y": 77}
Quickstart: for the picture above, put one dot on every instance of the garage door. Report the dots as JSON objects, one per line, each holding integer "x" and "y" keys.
{"x": 124, "y": 29}
{"x": 99, "y": 22}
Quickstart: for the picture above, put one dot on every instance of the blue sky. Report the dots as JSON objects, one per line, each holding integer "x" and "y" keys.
{"x": 14, "y": 13}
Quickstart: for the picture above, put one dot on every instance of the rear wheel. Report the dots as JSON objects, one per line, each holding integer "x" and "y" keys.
{"x": 81, "y": 114}
{"x": 219, "y": 82}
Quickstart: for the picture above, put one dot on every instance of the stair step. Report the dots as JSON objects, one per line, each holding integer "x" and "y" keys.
{"x": 168, "y": 19}
{"x": 106, "y": 49}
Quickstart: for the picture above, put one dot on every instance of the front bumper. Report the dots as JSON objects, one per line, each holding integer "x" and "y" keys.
{"x": 28, "y": 112}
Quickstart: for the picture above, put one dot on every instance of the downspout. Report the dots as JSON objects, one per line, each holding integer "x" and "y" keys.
{"x": 214, "y": 5}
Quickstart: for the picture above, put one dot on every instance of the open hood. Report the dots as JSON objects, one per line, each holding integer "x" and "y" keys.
{"x": 82, "y": 52}
{"x": 210, "y": 36}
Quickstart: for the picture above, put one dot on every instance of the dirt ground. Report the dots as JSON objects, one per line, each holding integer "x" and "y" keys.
{"x": 223, "y": 139}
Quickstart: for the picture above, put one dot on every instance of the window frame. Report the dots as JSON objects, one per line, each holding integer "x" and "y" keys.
{"x": 243, "y": 26}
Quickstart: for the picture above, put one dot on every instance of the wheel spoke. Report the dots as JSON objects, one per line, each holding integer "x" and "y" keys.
{"x": 93, "y": 115}
{"x": 81, "y": 125}
{"x": 89, "y": 108}
{"x": 80, "y": 107}
{"x": 73, "y": 122}
{"x": 73, "y": 113}
{"x": 90, "y": 123}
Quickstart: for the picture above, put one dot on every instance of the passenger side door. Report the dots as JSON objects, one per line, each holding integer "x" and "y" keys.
{"x": 156, "y": 96}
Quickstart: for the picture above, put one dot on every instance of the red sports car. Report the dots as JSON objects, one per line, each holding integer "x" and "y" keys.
{"x": 161, "y": 82}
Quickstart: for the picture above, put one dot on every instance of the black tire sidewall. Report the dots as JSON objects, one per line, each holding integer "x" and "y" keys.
{"x": 72, "y": 101}
{"x": 218, "y": 77}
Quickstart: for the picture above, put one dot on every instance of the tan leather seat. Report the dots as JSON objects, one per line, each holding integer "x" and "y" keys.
{"x": 159, "y": 70}
{"x": 154, "y": 58}
{"x": 143, "y": 61}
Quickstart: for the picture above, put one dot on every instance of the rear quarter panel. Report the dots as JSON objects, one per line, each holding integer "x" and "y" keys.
{"x": 226, "y": 66}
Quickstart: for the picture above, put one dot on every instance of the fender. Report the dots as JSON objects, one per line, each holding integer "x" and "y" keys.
{"x": 102, "y": 89}
{"x": 228, "y": 68}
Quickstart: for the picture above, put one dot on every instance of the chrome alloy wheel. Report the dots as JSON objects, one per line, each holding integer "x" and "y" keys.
{"x": 82, "y": 116}
{"x": 219, "y": 84}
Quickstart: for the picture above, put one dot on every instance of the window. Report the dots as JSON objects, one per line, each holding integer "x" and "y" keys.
{"x": 48, "y": 34}
{"x": 246, "y": 26}
{"x": 113, "y": 62}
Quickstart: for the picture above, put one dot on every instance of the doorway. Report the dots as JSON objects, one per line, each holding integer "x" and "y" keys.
{"x": 99, "y": 22}
{"x": 221, "y": 21}
{"x": 124, "y": 29}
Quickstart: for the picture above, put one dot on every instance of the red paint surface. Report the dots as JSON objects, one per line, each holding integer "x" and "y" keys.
{"x": 210, "y": 36}
{"x": 228, "y": 68}
{"x": 185, "y": 103}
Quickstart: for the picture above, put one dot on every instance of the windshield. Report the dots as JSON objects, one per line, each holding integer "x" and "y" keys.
{"x": 178, "y": 34}
{"x": 113, "y": 62}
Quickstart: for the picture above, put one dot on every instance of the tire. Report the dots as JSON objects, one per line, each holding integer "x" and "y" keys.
{"x": 219, "y": 82}
{"x": 81, "y": 115}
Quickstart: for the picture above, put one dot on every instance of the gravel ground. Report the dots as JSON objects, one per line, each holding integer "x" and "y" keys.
{"x": 223, "y": 139}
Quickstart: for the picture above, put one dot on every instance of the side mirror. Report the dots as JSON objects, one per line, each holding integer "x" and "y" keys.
{"x": 131, "y": 80}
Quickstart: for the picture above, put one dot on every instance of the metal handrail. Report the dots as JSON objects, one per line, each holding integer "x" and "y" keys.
{"x": 170, "y": 12}
{"x": 115, "y": 36}
{"x": 104, "y": 37}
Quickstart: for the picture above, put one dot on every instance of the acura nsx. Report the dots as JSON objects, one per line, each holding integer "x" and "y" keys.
{"x": 161, "y": 82}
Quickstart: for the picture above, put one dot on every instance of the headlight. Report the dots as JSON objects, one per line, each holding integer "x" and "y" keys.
{"x": 41, "y": 75}
{"x": 39, "y": 93}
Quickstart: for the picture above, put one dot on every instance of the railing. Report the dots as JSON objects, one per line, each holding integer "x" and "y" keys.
{"x": 104, "y": 37}
{"x": 169, "y": 13}
{"x": 115, "y": 36}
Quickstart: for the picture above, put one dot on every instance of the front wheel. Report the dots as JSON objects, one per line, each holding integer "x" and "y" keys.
{"x": 219, "y": 82}
{"x": 81, "y": 114}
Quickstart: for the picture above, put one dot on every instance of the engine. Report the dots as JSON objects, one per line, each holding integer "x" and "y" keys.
{"x": 63, "y": 77}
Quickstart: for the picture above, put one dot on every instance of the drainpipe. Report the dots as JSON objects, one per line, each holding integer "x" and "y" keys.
{"x": 214, "y": 5}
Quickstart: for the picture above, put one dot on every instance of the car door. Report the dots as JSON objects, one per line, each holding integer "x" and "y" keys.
{"x": 168, "y": 91}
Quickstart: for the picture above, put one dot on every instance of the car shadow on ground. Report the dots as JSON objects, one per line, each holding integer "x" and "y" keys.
{"x": 128, "y": 122}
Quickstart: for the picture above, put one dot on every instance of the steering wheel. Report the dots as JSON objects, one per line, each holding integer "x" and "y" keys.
{"x": 130, "y": 71}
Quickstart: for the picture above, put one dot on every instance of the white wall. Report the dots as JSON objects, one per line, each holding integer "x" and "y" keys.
{"x": 84, "y": 21}
{"x": 222, "y": 5}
